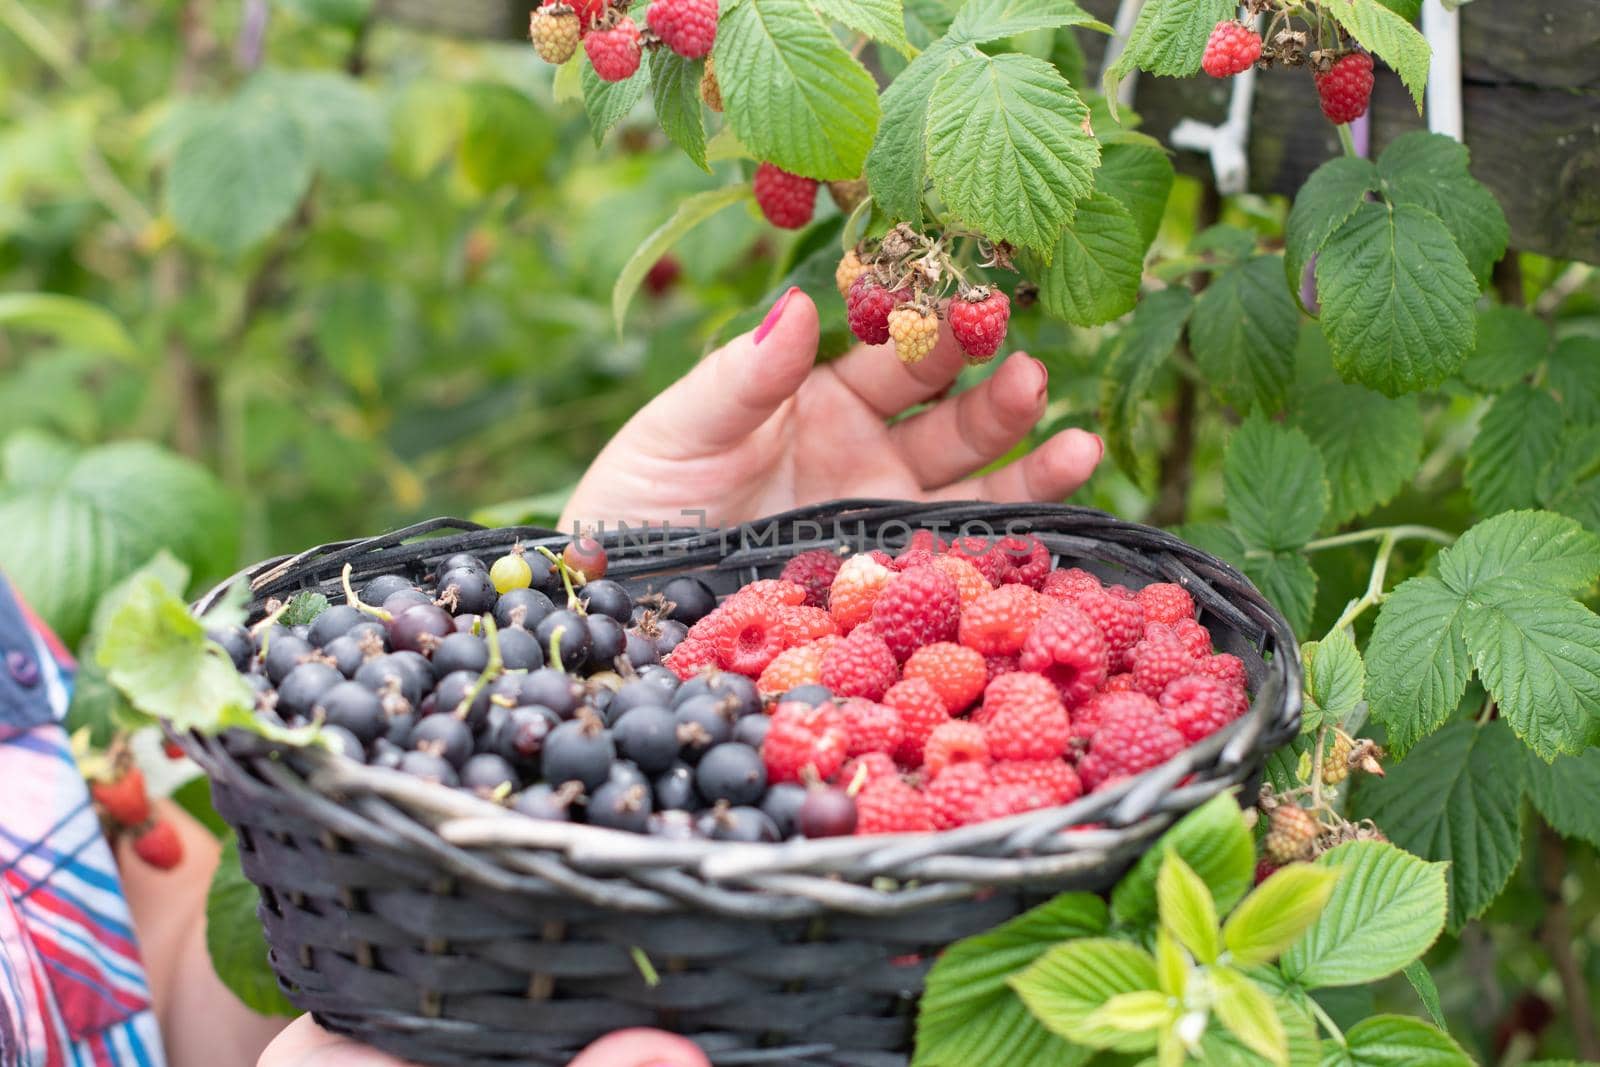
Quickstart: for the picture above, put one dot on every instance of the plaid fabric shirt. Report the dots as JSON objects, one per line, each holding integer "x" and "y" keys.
{"x": 72, "y": 991}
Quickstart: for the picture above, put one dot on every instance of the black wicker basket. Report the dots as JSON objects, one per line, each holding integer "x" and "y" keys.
{"x": 447, "y": 930}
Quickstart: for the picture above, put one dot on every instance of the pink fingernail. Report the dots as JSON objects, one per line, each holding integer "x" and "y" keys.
{"x": 774, "y": 315}
{"x": 1100, "y": 442}
{"x": 1041, "y": 376}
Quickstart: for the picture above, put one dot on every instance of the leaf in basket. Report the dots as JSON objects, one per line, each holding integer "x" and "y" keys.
{"x": 970, "y": 1016}
{"x": 234, "y": 939}
{"x": 1213, "y": 841}
{"x": 304, "y": 608}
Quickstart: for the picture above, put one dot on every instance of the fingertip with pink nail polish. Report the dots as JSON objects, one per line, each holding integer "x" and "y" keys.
{"x": 769, "y": 323}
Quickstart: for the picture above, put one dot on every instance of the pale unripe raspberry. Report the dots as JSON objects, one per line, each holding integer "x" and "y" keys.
{"x": 1291, "y": 834}
{"x": 914, "y": 331}
{"x": 849, "y": 269}
{"x": 555, "y": 32}
{"x": 847, "y": 195}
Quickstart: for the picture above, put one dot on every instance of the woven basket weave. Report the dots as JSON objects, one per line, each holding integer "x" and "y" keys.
{"x": 447, "y": 930}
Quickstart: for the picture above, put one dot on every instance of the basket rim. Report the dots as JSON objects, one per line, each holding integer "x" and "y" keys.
{"x": 479, "y": 838}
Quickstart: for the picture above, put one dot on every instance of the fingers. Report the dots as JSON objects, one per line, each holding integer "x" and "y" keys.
{"x": 888, "y": 386}
{"x": 1051, "y": 472}
{"x": 642, "y": 1048}
{"x": 964, "y": 432}
{"x": 738, "y": 387}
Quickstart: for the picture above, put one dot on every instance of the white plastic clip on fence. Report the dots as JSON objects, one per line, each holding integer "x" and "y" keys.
{"x": 1121, "y": 30}
{"x": 1228, "y": 143}
{"x": 1442, "y": 27}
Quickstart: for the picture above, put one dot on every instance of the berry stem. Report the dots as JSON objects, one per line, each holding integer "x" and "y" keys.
{"x": 1379, "y": 533}
{"x": 1316, "y": 770}
{"x": 1327, "y": 1023}
{"x": 555, "y": 647}
{"x": 855, "y": 226}
{"x": 491, "y": 670}
{"x": 355, "y": 601}
{"x": 566, "y": 573}
{"x": 1347, "y": 140}
{"x": 1391, "y": 535}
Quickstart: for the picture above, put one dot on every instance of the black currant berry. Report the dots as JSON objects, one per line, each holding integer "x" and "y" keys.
{"x": 300, "y": 690}
{"x": 605, "y": 597}
{"x": 702, "y": 722}
{"x": 453, "y": 691}
{"x": 522, "y": 607}
{"x": 738, "y": 694}
{"x": 284, "y": 654}
{"x": 578, "y": 751}
{"x": 621, "y": 806}
{"x": 355, "y": 708}
{"x": 384, "y": 673}
{"x": 731, "y": 772}
{"x": 519, "y": 650}
{"x": 444, "y": 736}
{"x": 553, "y": 689}
{"x": 649, "y": 737}
{"x": 674, "y": 789}
{"x": 302, "y": 631}
{"x": 607, "y": 639}
{"x": 809, "y": 695}
{"x": 827, "y": 812}
{"x": 398, "y": 728}
{"x": 386, "y": 753}
{"x": 640, "y": 650}
{"x": 628, "y": 773}
{"x": 466, "y": 592}
{"x": 546, "y": 579}
{"x": 573, "y": 645}
{"x": 662, "y": 677}
{"x": 343, "y": 742}
{"x": 468, "y": 624}
{"x": 235, "y": 641}
{"x": 420, "y": 628}
{"x": 782, "y": 805}
{"x": 382, "y": 588}
{"x": 636, "y": 693}
{"x": 346, "y": 653}
{"x": 521, "y": 733}
{"x": 416, "y": 666}
{"x": 752, "y": 730}
{"x": 669, "y": 635}
{"x": 460, "y": 652}
{"x": 334, "y": 622}
{"x": 488, "y": 773}
{"x": 461, "y": 561}
{"x": 738, "y": 824}
{"x": 546, "y": 802}
{"x": 396, "y": 603}
{"x": 429, "y": 767}
{"x": 691, "y": 599}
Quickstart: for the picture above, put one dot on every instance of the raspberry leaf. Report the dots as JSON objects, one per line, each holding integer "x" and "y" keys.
{"x": 1417, "y": 663}
{"x": 1272, "y": 918}
{"x": 1272, "y": 480}
{"x": 1387, "y": 36}
{"x": 1070, "y": 982}
{"x": 508, "y": 139}
{"x": 1395, "y": 1041}
{"x": 1010, "y": 150}
{"x": 691, "y": 212}
{"x": 1093, "y": 274}
{"x": 1186, "y": 909}
{"x": 1139, "y": 349}
{"x": 675, "y": 90}
{"x": 1328, "y": 198}
{"x": 1563, "y": 793}
{"x": 972, "y": 1017}
{"x": 1243, "y": 334}
{"x": 608, "y": 103}
{"x": 1385, "y": 909}
{"x": 1421, "y": 980}
{"x": 881, "y": 20}
{"x": 345, "y": 126}
{"x": 897, "y": 165}
{"x": 1458, "y": 798}
{"x": 1287, "y": 580}
{"x": 1430, "y": 171}
{"x": 1511, "y": 344}
{"x": 234, "y": 940}
{"x": 980, "y": 21}
{"x": 776, "y": 58}
{"x": 1570, "y": 483}
{"x": 1516, "y": 440}
{"x": 1247, "y": 1012}
{"x": 1521, "y": 551}
{"x": 69, "y": 320}
{"x": 1397, "y": 298}
{"x": 1214, "y": 843}
{"x": 1573, "y": 374}
{"x": 1169, "y": 38}
{"x": 1140, "y": 176}
{"x": 1336, "y": 680}
{"x": 1540, "y": 657}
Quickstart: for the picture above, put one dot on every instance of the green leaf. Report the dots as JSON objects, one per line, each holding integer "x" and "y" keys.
{"x": 343, "y": 121}
{"x": 791, "y": 92}
{"x": 691, "y": 212}
{"x": 1277, "y": 912}
{"x": 1140, "y": 177}
{"x": 1539, "y": 655}
{"x": 304, "y": 608}
{"x": 238, "y": 174}
{"x": 1371, "y": 444}
{"x": 1397, "y": 299}
{"x": 1243, "y": 333}
{"x": 1138, "y": 351}
{"x": 1385, "y": 910}
{"x": 1272, "y": 480}
{"x": 1573, "y": 374}
{"x": 1287, "y": 580}
{"x": 508, "y": 139}
{"x": 78, "y": 524}
{"x": 1010, "y": 151}
{"x": 1170, "y": 37}
{"x": 1394, "y": 1041}
{"x": 346, "y": 14}
{"x": 608, "y": 103}
{"x": 1457, "y": 797}
{"x": 1570, "y": 483}
{"x": 1516, "y": 439}
{"x": 1212, "y": 841}
{"x": 1417, "y": 665}
{"x": 1520, "y": 551}
{"x": 980, "y": 21}
{"x": 1511, "y": 344}
{"x": 1421, "y": 980}
{"x": 1093, "y": 275}
{"x": 1389, "y": 37}
{"x": 1564, "y": 792}
{"x": 897, "y": 164}
{"x": 1065, "y": 987}
{"x": 1186, "y": 908}
{"x": 970, "y": 1016}
{"x": 1336, "y": 679}
{"x": 1249, "y": 1015}
{"x": 1324, "y": 203}
{"x": 234, "y": 938}
{"x": 67, "y": 320}
{"x": 675, "y": 90}
{"x": 881, "y": 20}
{"x": 1172, "y": 964}
{"x": 1430, "y": 171}
{"x": 1149, "y": 1010}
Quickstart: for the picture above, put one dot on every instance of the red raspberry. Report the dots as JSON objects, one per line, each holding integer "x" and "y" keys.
{"x": 855, "y": 589}
{"x": 912, "y": 558}
{"x": 1027, "y": 561}
{"x": 1070, "y": 582}
{"x": 777, "y": 590}
{"x": 1232, "y": 49}
{"x": 1006, "y": 800}
{"x": 802, "y": 737}
{"x": 125, "y": 799}
{"x": 1227, "y": 668}
{"x": 1198, "y": 706}
{"x": 954, "y": 795}
{"x": 688, "y": 27}
{"x": 814, "y": 572}
{"x": 867, "y": 308}
{"x": 160, "y": 846}
{"x": 800, "y": 624}
{"x": 978, "y": 319}
{"x": 925, "y": 540}
{"x": 1165, "y": 602}
{"x": 998, "y": 623}
{"x": 1346, "y": 88}
{"x": 795, "y": 667}
{"x": 555, "y": 32}
{"x": 878, "y": 555}
{"x": 889, "y": 806}
{"x": 751, "y": 636}
{"x": 1158, "y": 659}
{"x": 969, "y": 580}
{"x": 869, "y": 767}
{"x": 614, "y": 52}
{"x": 921, "y": 712}
{"x": 1067, "y": 648}
{"x": 1196, "y": 639}
{"x": 861, "y": 665}
{"x": 1265, "y": 869}
{"x": 1120, "y": 622}
{"x": 1053, "y": 778}
{"x": 1024, "y": 718}
{"x": 589, "y": 11}
{"x": 872, "y": 727}
{"x": 956, "y": 672}
{"x": 983, "y": 554}
{"x": 1120, "y": 683}
{"x": 916, "y": 608}
{"x": 691, "y": 657}
{"x": 954, "y": 742}
{"x": 787, "y": 200}
{"x": 1087, "y": 717}
{"x": 995, "y": 666}
{"x": 1129, "y": 741}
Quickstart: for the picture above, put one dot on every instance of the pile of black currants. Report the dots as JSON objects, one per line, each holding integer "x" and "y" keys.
{"x": 528, "y": 685}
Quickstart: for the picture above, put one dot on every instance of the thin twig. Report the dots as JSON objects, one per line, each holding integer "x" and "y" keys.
{"x": 1555, "y": 934}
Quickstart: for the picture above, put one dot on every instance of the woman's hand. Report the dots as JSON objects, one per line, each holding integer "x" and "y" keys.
{"x": 757, "y": 427}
